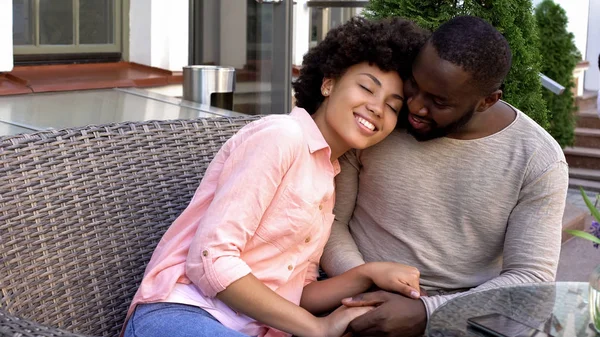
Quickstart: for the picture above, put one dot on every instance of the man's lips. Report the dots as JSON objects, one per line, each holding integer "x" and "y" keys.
{"x": 418, "y": 122}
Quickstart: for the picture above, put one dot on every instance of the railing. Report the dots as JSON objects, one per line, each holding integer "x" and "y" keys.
{"x": 551, "y": 84}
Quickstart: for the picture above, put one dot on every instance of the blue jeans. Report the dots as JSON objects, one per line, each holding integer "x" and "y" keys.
{"x": 175, "y": 320}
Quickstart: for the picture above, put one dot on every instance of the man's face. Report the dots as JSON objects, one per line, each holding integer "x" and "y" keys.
{"x": 441, "y": 100}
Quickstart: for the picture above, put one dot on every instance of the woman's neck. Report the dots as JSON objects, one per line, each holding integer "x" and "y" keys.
{"x": 336, "y": 143}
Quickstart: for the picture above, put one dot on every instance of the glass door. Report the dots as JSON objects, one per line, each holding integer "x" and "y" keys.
{"x": 254, "y": 37}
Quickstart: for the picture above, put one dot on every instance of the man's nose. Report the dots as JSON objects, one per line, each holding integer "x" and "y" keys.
{"x": 416, "y": 106}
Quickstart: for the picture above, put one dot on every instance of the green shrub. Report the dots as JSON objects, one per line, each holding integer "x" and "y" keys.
{"x": 559, "y": 58}
{"x": 513, "y": 18}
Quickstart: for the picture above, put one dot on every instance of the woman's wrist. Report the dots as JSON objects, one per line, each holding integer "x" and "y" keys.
{"x": 365, "y": 273}
{"x": 318, "y": 327}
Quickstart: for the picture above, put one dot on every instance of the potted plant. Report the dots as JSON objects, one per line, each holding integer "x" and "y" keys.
{"x": 594, "y": 236}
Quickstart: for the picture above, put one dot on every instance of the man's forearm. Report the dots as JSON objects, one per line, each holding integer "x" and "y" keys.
{"x": 341, "y": 252}
{"x": 513, "y": 277}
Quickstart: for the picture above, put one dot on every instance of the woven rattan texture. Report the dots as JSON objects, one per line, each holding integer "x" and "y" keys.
{"x": 81, "y": 211}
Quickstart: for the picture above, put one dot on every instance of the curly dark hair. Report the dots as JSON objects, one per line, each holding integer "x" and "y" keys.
{"x": 477, "y": 47}
{"x": 391, "y": 44}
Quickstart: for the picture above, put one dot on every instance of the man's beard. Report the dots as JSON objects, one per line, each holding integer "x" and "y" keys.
{"x": 434, "y": 131}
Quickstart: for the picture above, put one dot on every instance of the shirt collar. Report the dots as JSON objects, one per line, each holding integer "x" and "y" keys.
{"x": 315, "y": 138}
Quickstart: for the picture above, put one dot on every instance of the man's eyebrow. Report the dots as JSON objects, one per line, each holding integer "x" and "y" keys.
{"x": 441, "y": 98}
{"x": 379, "y": 84}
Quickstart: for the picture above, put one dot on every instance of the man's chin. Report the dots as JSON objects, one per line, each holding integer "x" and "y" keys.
{"x": 423, "y": 137}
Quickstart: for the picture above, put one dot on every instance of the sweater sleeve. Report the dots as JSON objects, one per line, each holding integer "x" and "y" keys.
{"x": 533, "y": 236}
{"x": 341, "y": 252}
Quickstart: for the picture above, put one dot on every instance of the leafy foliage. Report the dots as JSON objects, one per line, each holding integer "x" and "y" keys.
{"x": 559, "y": 58}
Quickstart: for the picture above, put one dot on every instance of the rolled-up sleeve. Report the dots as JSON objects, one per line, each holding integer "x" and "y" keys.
{"x": 312, "y": 273}
{"x": 251, "y": 172}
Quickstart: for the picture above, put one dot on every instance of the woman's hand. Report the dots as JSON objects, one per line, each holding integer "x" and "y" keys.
{"x": 395, "y": 277}
{"x": 336, "y": 323}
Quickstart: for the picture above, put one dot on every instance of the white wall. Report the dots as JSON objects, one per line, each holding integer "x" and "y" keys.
{"x": 592, "y": 75}
{"x": 301, "y": 30}
{"x": 139, "y": 31}
{"x": 158, "y": 33}
{"x": 6, "y": 40}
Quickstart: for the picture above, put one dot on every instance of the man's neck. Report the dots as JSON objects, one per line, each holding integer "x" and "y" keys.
{"x": 486, "y": 123}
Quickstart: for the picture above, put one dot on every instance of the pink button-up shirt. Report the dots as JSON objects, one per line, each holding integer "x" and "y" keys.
{"x": 264, "y": 207}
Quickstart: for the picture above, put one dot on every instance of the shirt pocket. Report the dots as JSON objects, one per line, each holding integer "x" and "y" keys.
{"x": 290, "y": 221}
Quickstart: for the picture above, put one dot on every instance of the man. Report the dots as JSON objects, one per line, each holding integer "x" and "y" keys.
{"x": 472, "y": 195}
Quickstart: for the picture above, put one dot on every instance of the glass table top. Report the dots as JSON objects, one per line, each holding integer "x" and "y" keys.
{"x": 35, "y": 112}
{"x": 560, "y": 309}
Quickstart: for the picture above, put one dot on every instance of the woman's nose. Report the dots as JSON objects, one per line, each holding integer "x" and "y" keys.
{"x": 376, "y": 108}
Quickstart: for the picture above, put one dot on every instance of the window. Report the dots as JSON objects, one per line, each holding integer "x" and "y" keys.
{"x": 66, "y": 26}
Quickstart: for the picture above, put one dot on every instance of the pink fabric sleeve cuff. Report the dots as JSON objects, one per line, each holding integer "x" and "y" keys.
{"x": 312, "y": 273}
{"x": 212, "y": 277}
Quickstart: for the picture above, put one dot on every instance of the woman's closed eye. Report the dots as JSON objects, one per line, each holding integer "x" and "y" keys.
{"x": 365, "y": 88}
{"x": 393, "y": 109}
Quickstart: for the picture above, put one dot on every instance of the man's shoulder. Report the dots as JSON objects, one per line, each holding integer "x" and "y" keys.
{"x": 540, "y": 144}
{"x": 536, "y": 146}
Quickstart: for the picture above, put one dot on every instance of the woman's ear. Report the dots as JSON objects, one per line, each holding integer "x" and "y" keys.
{"x": 327, "y": 86}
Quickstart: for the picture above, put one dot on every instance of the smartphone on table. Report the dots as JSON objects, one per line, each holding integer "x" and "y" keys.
{"x": 503, "y": 326}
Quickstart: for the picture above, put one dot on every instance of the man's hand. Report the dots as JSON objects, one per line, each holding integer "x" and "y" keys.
{"x": 394, "y": 315}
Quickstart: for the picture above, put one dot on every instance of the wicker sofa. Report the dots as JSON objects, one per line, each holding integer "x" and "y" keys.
{"x": 81, "y": 211}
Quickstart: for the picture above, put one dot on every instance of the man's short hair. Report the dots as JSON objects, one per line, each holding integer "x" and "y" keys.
{"x": 477, "y": 47}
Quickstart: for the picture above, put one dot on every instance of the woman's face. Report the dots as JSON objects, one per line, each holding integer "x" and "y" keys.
{"x": 361, "y": 107}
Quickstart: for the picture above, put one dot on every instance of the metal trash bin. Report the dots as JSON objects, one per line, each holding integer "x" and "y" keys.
{"x": 212, "y": 85}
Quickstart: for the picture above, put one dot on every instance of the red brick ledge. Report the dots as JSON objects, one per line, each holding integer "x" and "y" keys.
{"x": 68, "y": 77}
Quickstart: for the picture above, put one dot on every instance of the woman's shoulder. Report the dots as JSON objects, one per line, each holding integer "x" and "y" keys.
{"x": 284, "y": 126}
{"x": 278, "y": 131}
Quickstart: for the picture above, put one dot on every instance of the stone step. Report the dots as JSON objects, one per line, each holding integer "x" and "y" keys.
{"x": 587, "y": 137}
{"x": 584, "y": 174}
{"x": 586, "y": 103}
{"x": 588, "y": 119}
{"x": 588, "y": 185}
{"x": 583, "y": 157}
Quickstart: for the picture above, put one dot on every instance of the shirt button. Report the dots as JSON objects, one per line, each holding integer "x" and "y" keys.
{"x": 320, "y": 207}
{"x": 307, "y": 240}
{"x": 205, "y": 253}
{"x": 290, "y": 267}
